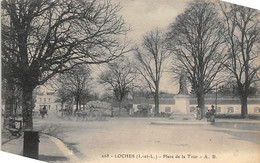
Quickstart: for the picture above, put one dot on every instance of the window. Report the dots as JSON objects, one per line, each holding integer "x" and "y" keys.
{"x": 192, "y": 109}
{"x": 49, "y": 99}
{"x": 44, "y": 99}
{"x": 167, "y": 109}
{"x": 230, "y": 109}
{"x": 257, "y": 109}
{"x": 40, "y": 99}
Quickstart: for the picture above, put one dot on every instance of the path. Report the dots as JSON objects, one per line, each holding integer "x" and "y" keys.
{"x": 94, "y": 140}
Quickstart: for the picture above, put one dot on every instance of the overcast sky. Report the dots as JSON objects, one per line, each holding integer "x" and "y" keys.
{"x": 145, "y": 15}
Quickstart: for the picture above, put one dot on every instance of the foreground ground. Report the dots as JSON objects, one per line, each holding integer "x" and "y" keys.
{"x": 136, "y": 137}
{"x": 136, "y": 140}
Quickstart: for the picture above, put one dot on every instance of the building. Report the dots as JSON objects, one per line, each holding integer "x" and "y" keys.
{"x": 186, "y": 104}
{"x": 48, "y": 99}
{"x": 183, "y": 103}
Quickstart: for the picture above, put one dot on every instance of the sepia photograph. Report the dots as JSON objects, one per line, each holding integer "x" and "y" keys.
{"x": 111, "y": 81}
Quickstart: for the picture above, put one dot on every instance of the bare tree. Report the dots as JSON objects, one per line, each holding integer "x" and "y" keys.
{"x": 75, "y": 83}
{"x": 44, "y": 37}
{"x": 195, "y": 39}
{"x": 150, "y": 57}
{"x": 242, "y": 38}
{"x": 64, "y": 96}
{"x": 119, "y": 76}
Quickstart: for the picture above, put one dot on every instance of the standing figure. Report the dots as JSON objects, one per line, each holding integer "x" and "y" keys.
{"x": 195, "y": 113}
{"x": 183, "y": 84}
{"x": 198, "y": 113}
{"x": 43, "y": 111}
{"x": 212, "y": 116}
{"x": 213, "y": 110}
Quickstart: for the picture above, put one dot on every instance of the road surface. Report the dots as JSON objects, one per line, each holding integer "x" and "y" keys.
{"x": 136, "y": 140}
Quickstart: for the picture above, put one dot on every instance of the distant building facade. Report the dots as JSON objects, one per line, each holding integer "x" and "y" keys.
{"x": 186, "y": 104}
{"x": 48, "y": 99}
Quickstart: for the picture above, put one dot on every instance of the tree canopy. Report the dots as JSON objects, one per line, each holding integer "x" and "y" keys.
{"x": 119, "y": 77}
{"x": 242, "y": 39}
{"x": 196, "y": 42}
{"x": 150, "y": 60}
{"x": 44, "y": 37}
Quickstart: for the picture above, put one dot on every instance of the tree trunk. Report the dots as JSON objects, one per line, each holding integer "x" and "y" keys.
{"x": 27, "y": 107}
{"x": 77, "y": 105}
{"x": 156, "y": 103}
{"x": 120, "y": 107}
{"x": 62, "y": 110}
{"x": 244, "y": 112}
{"x": 8, "y": 102}
{"x": 243, "y": 98}
{"x": 201, "y": 103}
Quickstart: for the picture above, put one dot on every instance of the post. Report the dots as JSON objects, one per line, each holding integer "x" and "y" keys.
{"x": 216, "y": 97}
{"x": 16, "y": 106}
{"x": 31, "y": 144}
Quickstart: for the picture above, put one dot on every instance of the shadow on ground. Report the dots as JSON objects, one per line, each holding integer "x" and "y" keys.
{"x": 248, "y": 131}
{"x": 72, "y": 147}
{"x": 236, "y": 116}
{"x": 52, "y": 158}
{"x": 246, "y": 136}
{"x": 238, "y": 125}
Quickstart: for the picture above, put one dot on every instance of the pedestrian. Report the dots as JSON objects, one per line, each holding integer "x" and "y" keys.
{"x": 212, "y": 109}
{"x": 43, "y": 111}
{"x": 195, "y": 113}
{"x": 198, "y": 113}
